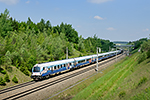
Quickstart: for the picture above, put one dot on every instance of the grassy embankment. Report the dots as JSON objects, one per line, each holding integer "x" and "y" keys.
{"x": 129, "y": 80}
{"x": 124, "y": 80}
{"x": 20, "y": 76}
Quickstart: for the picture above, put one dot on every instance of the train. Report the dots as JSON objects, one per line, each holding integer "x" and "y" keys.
{"x": 45, "y": 70}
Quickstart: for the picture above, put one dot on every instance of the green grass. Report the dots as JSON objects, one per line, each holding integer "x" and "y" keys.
{"x": 129, "y": 80}
{"x": 99, "y": 88}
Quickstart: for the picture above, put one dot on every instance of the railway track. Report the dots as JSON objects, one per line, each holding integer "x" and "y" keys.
{"x": 45, "y": 85}
{"x": 16, "y": 87}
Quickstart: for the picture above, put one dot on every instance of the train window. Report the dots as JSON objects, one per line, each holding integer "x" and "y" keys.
{"x": 61, "y": 66}
{"x": 43, "y": 68}
{"x": 81, "y": 61}
{"x": 48, "y": 68}
{"x": 58, "y": 67}
{"x": 64, "y": 65}
{"x": 36, "y": 69}
{"x": 70, "y": 64}
{"x": 54, "y": 67}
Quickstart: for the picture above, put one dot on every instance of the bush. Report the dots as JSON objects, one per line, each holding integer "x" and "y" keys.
{"x": 76, "y": 46}
{"x": 3, "y": 71}
{"x": 80, "y": 55}
{"x": 14, "y": 79}
{"x": 2, "y": 82}
{"x": 31, "y": 62}
{"x": 146, "y": 48}
{"x": 6, "y": 78}
{"x": 8, "y": 68}
{"x": 143, "y": 80}
{"x": 24, "y": 70}
{"x": 142, "y": 57}
{"x": 122, "y": 94}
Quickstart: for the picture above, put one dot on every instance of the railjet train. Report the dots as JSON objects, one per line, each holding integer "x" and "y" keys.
{"x": 40, "y": 71}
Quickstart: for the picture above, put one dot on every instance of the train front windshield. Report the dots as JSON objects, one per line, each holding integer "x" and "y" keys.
{"x": 36, "y": 69}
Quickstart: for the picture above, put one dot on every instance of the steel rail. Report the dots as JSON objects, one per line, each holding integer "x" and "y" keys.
{"x": 16, "y": 87}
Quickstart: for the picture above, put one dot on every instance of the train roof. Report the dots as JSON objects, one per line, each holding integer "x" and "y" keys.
{"x": 55, "y": 62}
{"x": 73, "y": 59}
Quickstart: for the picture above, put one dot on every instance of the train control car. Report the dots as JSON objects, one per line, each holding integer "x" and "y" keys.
{"x": 40, "y": 71}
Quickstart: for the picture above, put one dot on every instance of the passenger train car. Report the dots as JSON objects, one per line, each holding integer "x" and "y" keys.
{"x": 40, "y": 71}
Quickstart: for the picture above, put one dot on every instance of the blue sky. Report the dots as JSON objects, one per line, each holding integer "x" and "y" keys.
{"x": 125, "y": 20}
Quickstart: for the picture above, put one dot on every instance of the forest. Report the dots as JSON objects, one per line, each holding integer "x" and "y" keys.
{"x": 23, "y": 44}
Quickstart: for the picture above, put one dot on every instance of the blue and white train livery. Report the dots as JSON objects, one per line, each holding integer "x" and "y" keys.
{"x": 43, "y": 70}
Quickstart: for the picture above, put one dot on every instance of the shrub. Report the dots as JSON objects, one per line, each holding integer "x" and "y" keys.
{"x": 143, "y": 80}
{"x": 80, "y": 55}
{"x": 8, "y": 68}
{"x": 2, "y": 82}
{"x": 3, "y": 71}
{"x": 31, "y": 62}
{"x": 122, "y": 94}
{"x": 6, "y": 78}
{"x": 142, "y": 57}
{"x": 24, "y": 70}
{"x": 14, "y": 79}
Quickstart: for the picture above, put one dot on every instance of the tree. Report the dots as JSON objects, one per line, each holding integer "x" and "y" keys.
{"x": 29, "y": 21}
{"x": 6, "y": 78}
{"x": 81, "y": 44}
{"x": 70, "y": 33}
{"x": 57, "y": 47}
{"x": 8, "y": 61}
{"x": 146, "y": 48}
{"x": 15, "y": 25}
{"x": 14, "y": 79}
{"x": 41, "y": 25}
{"x": 31, "y": 62}
{"x": 5, "y": 24}
{"x": 48, "y": 25}
{"x": 24, "y": 69}
{"x": 2, "y": 82}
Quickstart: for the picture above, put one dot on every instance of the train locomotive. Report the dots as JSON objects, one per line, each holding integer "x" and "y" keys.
{"x": 40, "y": 71}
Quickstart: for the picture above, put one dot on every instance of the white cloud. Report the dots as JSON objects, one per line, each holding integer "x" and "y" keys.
{"x": 10, "y": 2}
{"x": 111, "y": 29}
{"x": 98, "y": 1}
{"x": 28, "y": 2}
{"x": 98, "y": 17}
{"x": 145, "y": 29}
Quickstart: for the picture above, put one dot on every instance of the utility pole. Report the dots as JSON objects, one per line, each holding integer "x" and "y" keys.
{"x": 128, "y": 51}
{"x": 100, "y": 50}
{"x": 116, "y": 54}
{"x": 97, "y": 61}
{"x": 66, "y": 52}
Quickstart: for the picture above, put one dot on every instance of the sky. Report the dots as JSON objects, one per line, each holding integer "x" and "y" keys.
{"x": 114, "y": 20}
